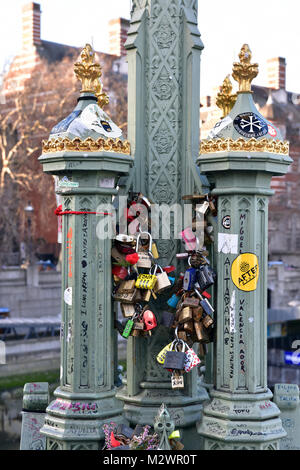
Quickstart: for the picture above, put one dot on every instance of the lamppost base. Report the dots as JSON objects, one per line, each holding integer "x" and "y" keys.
{"x": 74, "y": 421}
{"x": 241, "y": 422}
{"x": 185, "y": 411}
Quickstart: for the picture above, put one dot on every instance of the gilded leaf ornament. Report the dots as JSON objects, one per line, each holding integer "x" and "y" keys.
{"x": 89, "y": 73}
{"x": 244, "y": 72}
{"x": 225, "y": 98}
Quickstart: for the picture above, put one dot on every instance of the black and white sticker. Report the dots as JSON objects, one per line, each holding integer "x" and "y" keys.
{"x": 250, "y": 125}
{"x": 226, "y": 222}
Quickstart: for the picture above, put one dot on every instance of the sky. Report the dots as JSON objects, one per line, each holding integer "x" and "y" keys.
{"x": 270, "y": 27}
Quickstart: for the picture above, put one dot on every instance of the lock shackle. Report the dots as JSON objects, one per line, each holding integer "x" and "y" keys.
{"x": 155, "y": 266}
{"x": 189, "y": 261}
{"x": 184, "y": 345}
{"x": 138, "y": 241}
{"x": 198, "y": 293}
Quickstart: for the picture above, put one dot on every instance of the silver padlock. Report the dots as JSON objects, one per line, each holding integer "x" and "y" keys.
{"x": 145, "y": 258}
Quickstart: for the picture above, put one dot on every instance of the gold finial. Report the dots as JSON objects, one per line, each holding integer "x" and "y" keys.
{"x": 243, "y": 71}
{"x": 225, "y": 98}
{"x": 89, "y": 73}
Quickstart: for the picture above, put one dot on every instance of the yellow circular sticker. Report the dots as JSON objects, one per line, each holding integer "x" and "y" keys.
{"x": 245, "y": 271}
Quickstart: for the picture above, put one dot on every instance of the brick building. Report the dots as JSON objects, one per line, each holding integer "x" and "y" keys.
{"x": 282, "y": 108}
{"x": 34, "y": 52}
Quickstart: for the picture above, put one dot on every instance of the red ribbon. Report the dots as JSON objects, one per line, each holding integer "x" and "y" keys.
{"x": 58, "y": 211}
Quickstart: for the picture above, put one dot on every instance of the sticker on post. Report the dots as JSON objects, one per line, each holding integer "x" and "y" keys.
{"x": 66, "y": 183}
{"x": 68, "y": 296}
{"x": 272, "y": 130}
{"x": 219, "y": 127}
{"x": 245, "y": 272}
{"x": 226, "y": 222}
{"x": 228, "y": 243}
{"x": 250, "y": 125}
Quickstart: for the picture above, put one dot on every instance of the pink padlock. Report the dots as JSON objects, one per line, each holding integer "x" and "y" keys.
{"x": 149, "y": 321}
{"x": 189, "y": 239}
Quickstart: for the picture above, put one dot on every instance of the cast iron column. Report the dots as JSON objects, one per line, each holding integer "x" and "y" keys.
{"x": 164, "y": 49}
{"x": 245, "y": 151}
{"x": 88, "y": 168}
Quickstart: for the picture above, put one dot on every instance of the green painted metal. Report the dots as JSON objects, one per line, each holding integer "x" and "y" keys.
{"x": 85, "y": 398}
{"x": 164, "y": 48}
{"x": 241, "y": 415}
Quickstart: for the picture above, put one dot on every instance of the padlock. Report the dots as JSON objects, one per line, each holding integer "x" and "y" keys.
{"x": 126, "y": 297}
{"x": 204, "y": 278}
{"x": 191, "y": 361}
{"x": 173, "y": 301}
{"x": 163, "y": 281}
{"x": 128, "y": 328}
{"x": 197, "y": 313}
{"x": 189, "y": 239}
{"x": 175, "y": 359}
{"x": 154, "y": 251}
{"x": 127, "y": 286}
{"x": 201, "y": 334}
{"x": 206, "y": 306}
{"x": 189, "y": 279}
{"x": 162, "y": 354}
{"x": 128, "y": 310}
{"x": 145, "y": 259}
{"x": 188, "y": 326}
{"x": 120, "y": 271}
{"x": 182, "y": 335}
{"x": 207, "y": 320}
{"x": 117, "y": 256}
{"x": 146, "y": 281}
{"x": 149, "y": 320}
{"x": 212, "y": 208}
{"x": 202, "y": 208}
{"x": 190, "y": 302}
{"x": 167, "y": 319}
{"x": 177, "y": 380}
{"x": 204, "y": 303}
{"x": 186, "y": 314}
{"x": 172, "y": 280}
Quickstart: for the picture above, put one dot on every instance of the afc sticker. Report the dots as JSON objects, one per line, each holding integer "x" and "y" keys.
{"x": 250, "y": 125}
{"x": 245, "y": 272}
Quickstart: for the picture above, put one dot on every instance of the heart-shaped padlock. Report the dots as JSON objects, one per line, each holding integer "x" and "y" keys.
{"x": 149, "y": 320}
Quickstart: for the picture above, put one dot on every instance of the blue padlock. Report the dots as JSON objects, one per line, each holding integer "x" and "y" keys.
{"x": 190, "y": 278}
{"x": 172, "y": 280}
{"x": 173, "y": 301}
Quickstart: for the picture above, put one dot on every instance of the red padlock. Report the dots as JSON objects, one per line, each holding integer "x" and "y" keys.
{"x": 120, "y": 271}
{"x": 149, "y": 321}
{"x": 169, "y": 269}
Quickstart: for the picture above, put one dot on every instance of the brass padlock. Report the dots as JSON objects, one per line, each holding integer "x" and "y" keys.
{"x": 126, "y": 297}
{"x": 185, "y": 315}
{"x": 201, "y": 334}
{"x": 128, "y": 310}
{"x": 145, "y": 258}
{"x": 127, "y": 286}
{"x": 207, "y": 320}
{"x": 188, "y": 326}
{"x": 197, "y": 313}
{"x": 154, "y": 251}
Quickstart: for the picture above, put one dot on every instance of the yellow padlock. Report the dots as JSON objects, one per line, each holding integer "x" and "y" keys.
{"x": 154, "y": 251}
{"x": 162, "y": 355}
{"x": 146, "y": 281}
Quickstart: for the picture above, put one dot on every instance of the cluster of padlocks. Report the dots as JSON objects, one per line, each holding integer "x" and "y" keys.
{"x": 138, "y": 278}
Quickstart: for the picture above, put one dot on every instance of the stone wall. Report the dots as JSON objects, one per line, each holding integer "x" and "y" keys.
{"x": 30, "y": 293}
